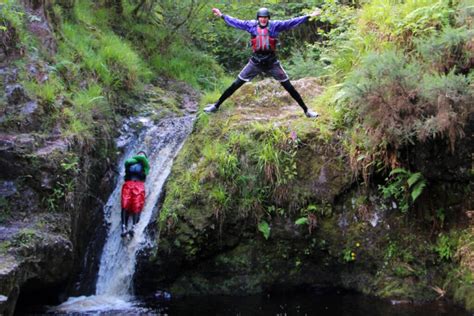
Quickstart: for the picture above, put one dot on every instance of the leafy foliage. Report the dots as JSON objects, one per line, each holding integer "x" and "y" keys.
{"x": 383, "y": 62}
{"x": 401, "y": 22}
{"x": 404, "y": 187}
{"x": 264, "y": 228}
{"x": 15, "y": 39}
{"x": 398, "y": 104}
{"x": 348, "y": 255}
{"x": 447, "y": 50}
{"x": 445, "y": 247}
{"x": 334, "y": 52}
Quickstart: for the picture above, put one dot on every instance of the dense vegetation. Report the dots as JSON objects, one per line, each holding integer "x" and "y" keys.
{"x": 397, "y": 78}
{"x": 393, "y": 81}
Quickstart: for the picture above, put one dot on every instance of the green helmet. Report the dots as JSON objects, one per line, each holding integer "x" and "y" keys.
{"x": 263, "y": 12}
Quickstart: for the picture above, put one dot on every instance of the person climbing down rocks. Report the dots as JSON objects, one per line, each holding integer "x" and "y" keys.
{"x": 264, "y": 37}
{"x": 133, "y": 190}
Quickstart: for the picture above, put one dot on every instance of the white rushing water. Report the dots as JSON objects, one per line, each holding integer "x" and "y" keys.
{"x": 114, "y": 288}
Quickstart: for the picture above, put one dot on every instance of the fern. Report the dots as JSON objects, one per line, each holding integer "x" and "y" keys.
{"x": 398, "y": 171}
{"x": 302, "y": 221}
{"x": 414, "y": 178}
{"x": 401, "y": 185}
{"x": 417, "y": 190}
{"x": 264, "y": 228}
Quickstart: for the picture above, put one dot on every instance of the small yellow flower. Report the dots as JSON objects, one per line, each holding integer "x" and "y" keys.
{"x": 353, "y": 254}
{"x": 357, "y": 244}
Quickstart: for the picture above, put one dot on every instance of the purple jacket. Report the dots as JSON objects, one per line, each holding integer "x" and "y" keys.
{"x": 274, "y": 27}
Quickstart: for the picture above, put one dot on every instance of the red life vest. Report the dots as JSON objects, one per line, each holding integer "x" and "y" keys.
{"x": 263, "y": 42}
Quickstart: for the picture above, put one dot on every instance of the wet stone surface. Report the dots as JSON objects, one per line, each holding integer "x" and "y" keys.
{"x": 7, "y": 188}
{"x": 16, "y": 94}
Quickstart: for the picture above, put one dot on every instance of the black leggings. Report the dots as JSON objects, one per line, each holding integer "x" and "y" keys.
{"x": 229, "y": 91}
{"x": 125, "y": 216}
{"x": 286, "y": 84}
{"x": 294, "y": 94}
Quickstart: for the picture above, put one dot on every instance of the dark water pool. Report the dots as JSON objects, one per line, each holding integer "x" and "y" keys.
{"x": 333, "y": 303}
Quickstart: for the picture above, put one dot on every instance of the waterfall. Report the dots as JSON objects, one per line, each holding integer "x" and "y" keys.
{"x": 114, "y": 288}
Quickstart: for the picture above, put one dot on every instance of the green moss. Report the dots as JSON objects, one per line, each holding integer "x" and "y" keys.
{"x": 464, "y": 294}
{"x": 4, "y": 247}
{"x": 26, "y": 237}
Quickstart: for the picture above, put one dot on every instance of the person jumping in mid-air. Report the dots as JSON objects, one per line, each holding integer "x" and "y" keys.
{"x": 133, "y": 190}
{"x": 264, "y": 37}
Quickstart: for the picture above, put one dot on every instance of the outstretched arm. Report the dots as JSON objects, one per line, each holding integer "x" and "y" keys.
{"x": 292, "y": 23}
{"x": 236, "y": 23}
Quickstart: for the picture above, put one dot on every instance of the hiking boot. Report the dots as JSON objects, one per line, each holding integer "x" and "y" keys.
{"x": 311, "y": 114}
{"x": 211, "y": 108}
{"x": 131, "y": 233}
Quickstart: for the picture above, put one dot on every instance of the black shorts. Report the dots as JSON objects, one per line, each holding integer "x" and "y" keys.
{"x": 274, "y": 69}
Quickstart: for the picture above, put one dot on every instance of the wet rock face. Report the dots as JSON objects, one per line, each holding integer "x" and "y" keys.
{"x": 45, "y": 226}
{"x": 8, "y": 41}
{"x": 436, "y": 161}
{"x": 254, "y": 265}
{"x": 17, "y": 199}
{"x": 37, "y": 12}
{"x": 16, "y": 94}
{"x": 20, "y": 113}
{"x": 45, "y": 258}
{"x": 7, "y": 188}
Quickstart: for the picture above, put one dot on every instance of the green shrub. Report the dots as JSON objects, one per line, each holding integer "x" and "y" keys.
{"x": 219, "y": 199}
{"x": 399, "y": 105}
{"x": 302, "y": 63}
{"x": 25, "y": 238}
{"x": 265, "y": 229}
{"x": 342, "y": 46}
{"x": 447, "y": 50}
{"x": 11, "y": 11}
{"x": 382, "y": 90}
{"x": 446, "y": 100}
{"x": 401, "y": 22}
{"x": 188, "y": 64}
{"x": 12, "y": 26}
